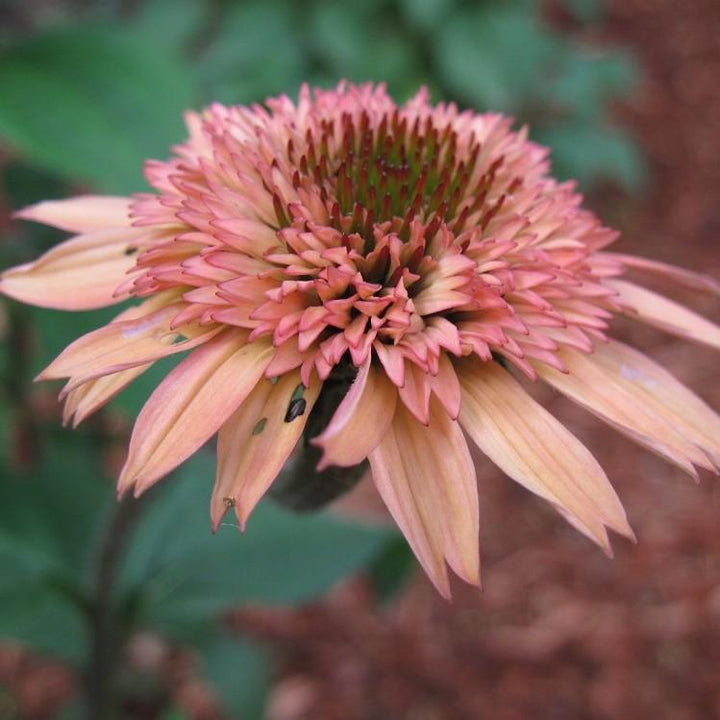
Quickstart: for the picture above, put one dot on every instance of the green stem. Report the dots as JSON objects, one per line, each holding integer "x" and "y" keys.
{"x": 107, "y": 633}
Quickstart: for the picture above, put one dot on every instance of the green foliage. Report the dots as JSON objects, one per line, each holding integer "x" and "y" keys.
{"x": 184, "y": 574}
{"x": 391, "y": 569}
{"x": 239, "y": 672}
{"x": 92, "y": 103}
{"x": 48, "y": 525}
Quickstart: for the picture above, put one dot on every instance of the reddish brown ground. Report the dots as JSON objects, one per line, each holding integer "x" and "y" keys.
{"x": 560, "y": 631}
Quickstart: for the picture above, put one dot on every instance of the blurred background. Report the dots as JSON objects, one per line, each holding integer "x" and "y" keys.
{"x": 322, "y": 617}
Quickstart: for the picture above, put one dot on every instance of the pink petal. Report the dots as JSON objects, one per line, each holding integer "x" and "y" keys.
{"x": 415, "y": 393}
{"x": 668, "y": 397}
{"x": 446, "y": 386}
{"x": 666, "y": 314}
{"x": 255, "y": 443}
{"x": 85, "y": 399}
{"x": 80, "y": 214}
{"x": 191, "y": 404}
{"x": 426, "y": 477}
{"x": 79, "y": 274}
{"x": 527, "y": 443}
{"x": 361, "y": 420}
{"x": 123, "y": 344}
{"x": 624, "y": 405}
{"x": 663, "y": 271}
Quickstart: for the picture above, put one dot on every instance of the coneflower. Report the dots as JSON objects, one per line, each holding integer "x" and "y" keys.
{"x": 417, "y": 258}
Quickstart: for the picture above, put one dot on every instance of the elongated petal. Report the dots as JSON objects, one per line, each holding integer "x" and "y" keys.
{"x": 124, "y": 344}
{"x": 426, "y": 477}
{"x": 621, "y": 403}
{"x": 532, "y": 447}
{"x": 84, "y": 400}
{"x": 361, "y": 420}
{"x": 666, "y": 314}
{"x": 191, "y": 404}
{"x": 663, "y": 271}
{"x": 446, "y": 387}
{"x": 79, "y": 274}
{"x": 664, "y": 393}
{"x": 80, "y": 214}
{"x": 255, "y": 443}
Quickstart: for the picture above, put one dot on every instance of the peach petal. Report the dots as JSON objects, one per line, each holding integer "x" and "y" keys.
{"x": 666, "y": 272}
{"x": 677, "y": 404}
{"x": 124, "y": 344}
{"x": 623, "y": 405}
{"x": 427, "y": 480}
{"x": 81, "y": 214}
{"x": 446, "y": 386}
{"x": 85, "y": 399}
{"x": 666, "y": 314}
{"x": 527, "y": 443}
{"x": 190, "y": 405}
{"x": 361, "y": 420}
{"x": 82, "y": 273}
{"x": 415, "y": 393}
{"x": 255, "y": 443}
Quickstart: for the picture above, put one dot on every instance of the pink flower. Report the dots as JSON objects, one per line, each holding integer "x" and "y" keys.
{"x": 422, "y": 250}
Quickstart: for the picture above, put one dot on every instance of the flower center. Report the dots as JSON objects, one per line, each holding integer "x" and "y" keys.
{"x": 371, "y": 173}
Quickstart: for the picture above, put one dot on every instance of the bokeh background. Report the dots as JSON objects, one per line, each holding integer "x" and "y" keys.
{"x": 324, "y": 618}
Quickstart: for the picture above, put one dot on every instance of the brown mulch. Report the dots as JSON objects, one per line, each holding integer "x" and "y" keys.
{"x": 559, "y": 631}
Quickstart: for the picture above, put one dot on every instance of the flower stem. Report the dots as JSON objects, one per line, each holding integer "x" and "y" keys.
{"x": 300, "y": 486}
{"x": 107, "y": 633}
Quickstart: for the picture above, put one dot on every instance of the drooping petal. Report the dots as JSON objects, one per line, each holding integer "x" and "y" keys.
{"x": 79, "y": 274}
{"x": 666, "y": 314}
{"x": 527, "y": 443}
{"x": 426, "y": 477}
{"x": 124, "y": 344}
{"x": 81, "y": 214}
{"x": 255, "y": 443}
{"x": 669, "y": 273}
{"x": 361, "y": 420}
{"x": 85, "y": 399}
{"x": 681, "y": 407}
{"x": 624, "y": 405}
{"x": 191, "y": 404}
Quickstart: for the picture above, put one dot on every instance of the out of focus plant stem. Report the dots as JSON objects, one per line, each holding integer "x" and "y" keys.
{"x": 106, "y": 628}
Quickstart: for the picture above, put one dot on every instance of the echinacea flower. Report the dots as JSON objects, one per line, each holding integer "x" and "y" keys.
{"x": 419, "y": 258}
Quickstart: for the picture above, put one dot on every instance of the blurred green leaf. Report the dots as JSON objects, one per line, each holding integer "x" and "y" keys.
{"x": 239, "y": 672}
{"x": 72, "y": 711}
{"x": 184, "y": 575}
{"x": 392, "y": 568}
{"x": 426, "y": 14}
{"x": 174, "y": 713}
{"x": 49, "y": 523}
{"x": 44, "y": 619}
{"x": 586, "y": 11}
{"x": 92, "y": 103}
{"x": 494, "y": 55}
{"x": 587, "y": 81}
{"x": 342, "y": 34}
{"x": 169, "y": 22}
{"x": 255, "y": 53}
{"x": 48, "y": 520}
{"x": 592, "y": 154}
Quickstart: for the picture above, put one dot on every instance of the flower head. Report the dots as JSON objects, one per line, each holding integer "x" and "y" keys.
{"x": 419, "y": 256}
